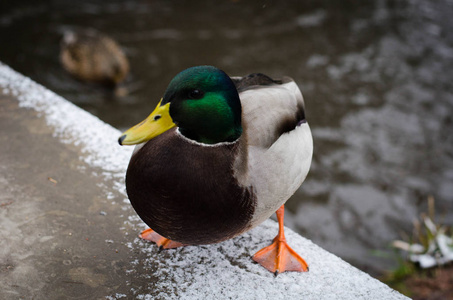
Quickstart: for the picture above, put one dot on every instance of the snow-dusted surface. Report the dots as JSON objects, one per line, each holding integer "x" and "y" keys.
{"x": 220, "y": 271}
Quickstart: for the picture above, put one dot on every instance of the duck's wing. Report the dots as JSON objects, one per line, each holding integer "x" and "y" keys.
{"x": 270, "y": 107}
{"x": 277, "y": 138}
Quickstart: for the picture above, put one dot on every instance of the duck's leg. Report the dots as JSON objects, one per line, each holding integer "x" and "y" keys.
{"x": 164, "y": 243}
{"x": 279, "y": 257}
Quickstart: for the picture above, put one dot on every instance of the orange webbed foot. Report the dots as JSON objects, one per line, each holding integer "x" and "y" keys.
{"x": 162, "y": 242}
{"x": 279, "y": 257}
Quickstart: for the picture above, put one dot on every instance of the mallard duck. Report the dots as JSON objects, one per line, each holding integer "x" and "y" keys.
{"x": 217, "y": 157}
{"x": 93, "y": 57}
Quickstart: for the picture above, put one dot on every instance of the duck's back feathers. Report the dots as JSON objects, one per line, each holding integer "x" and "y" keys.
{"x": 253, "y": 80}
{"x": 270, "y": 107}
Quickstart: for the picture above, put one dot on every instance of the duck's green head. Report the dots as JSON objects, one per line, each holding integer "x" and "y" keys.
{"x": 202, "y": 101}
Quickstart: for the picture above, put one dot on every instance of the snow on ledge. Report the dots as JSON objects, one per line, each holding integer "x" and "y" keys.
{"x": 219, "y": 271}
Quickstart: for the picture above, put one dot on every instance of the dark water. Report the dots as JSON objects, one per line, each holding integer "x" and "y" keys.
{"x": 377, "y": 77}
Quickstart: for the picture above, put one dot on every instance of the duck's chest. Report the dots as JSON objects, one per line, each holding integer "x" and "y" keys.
{"x": 188, "y": 192}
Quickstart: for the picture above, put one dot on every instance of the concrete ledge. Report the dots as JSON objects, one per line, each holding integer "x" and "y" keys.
{"x": 67, "y": 229}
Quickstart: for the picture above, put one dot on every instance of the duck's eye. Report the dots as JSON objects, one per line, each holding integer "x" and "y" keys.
{"x": 196, "y": 94}
{"x": 157, "y": 117}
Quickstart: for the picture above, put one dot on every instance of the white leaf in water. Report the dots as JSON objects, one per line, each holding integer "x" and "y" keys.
{"x": 430, "y": 225}
{"x": 425, "y": 260}
{"x": 445, "y": 246}
{"x": 417, "y": 248}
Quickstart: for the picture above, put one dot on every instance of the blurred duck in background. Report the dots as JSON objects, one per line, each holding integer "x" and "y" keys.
{"x": 91, "y": 56}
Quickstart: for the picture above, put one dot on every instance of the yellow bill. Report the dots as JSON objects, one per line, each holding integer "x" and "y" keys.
{"x": 157, "y": 123}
